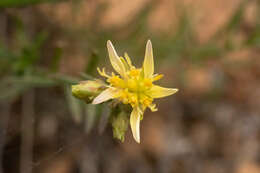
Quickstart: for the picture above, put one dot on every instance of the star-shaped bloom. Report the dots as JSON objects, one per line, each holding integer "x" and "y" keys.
{"x": 133, "y": 86}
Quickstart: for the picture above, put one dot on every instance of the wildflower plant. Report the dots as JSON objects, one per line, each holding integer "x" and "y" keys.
{"x": 129, "y": 85}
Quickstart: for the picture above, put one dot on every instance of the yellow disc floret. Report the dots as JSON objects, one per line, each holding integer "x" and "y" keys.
{"x": 134, "y": 73}
{"x": 116, "y": 81}
{"x": 134, "y": 88}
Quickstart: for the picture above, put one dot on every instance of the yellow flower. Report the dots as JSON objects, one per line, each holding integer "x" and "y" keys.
{"x": 133, "y": 85}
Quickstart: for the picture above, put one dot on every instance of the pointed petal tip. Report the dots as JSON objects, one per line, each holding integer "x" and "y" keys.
{"x": 109, "y": 43}
{"x": 111, "y": 50}
{"x": 137, "y": 140}
{"x": 148, "y": 64}
{"x": 98, "y": 100}
{"x": 159, "y": 92}
{"x": 95, "y": 102}
{"x": 149, "y": 43}
{"x": 135, "y": 124}
{"x": 176, "y": 90}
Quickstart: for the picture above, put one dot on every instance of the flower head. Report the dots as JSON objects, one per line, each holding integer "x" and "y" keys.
{"x": 133, "y": 86}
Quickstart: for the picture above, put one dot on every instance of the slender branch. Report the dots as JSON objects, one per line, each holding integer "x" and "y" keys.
{"x": 4, "y": 118}
{"x": 27, "y": 136}
{"x": 4, "y": 106}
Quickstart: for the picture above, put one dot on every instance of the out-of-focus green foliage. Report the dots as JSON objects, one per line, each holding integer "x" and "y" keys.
{"x": 19, "y": 67}
{"x": 17, "y": 3}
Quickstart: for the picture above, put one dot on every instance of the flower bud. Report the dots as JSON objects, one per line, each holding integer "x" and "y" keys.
{"x": 87, "y": 90}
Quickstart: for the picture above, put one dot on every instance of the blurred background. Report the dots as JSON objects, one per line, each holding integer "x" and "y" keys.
{"x": 208, "y": 49}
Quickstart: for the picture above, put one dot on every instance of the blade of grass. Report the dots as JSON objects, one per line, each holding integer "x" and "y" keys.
{"x": 18, "y": 3}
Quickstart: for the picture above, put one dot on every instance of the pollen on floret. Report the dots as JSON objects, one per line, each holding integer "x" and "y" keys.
{"x": 133, "y": 100}
{"x": 128, "y": 97}
{"x": 132, "y": 85}
{"x": 148, "y": 82}
{"x": 134, "y": 72}
{"x": 123, "y": 96}
{"x": 146, "y": 101}
{"x": 116, "y": 81}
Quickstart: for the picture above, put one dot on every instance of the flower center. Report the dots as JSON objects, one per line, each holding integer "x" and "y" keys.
{"x": 133, "y": 89}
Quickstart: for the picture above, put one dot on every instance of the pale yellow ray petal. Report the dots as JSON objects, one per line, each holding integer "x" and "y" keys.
{"x": 135, "y": 118}
{"x": 129, "y": 62}
{"x": 127, "y": 67}
{"x": 115, "y": 60}
{"x": 104, "y": 96}
{"x": 148, "y": 64}
{"x": 158, "y": 92}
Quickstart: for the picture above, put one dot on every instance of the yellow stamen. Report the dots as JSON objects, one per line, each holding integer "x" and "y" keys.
{"x": 129, "y": 61}
{"x": 103, "y": 72}
{"x": 132, "y": 85}
{"x": 133, "y": 100}
{"x": 153, "y": 107}
{"x": 148, "y": 82}
{"x": 157, "y": 77}
{"x": 116, "y": 81}
{"x": 134, "y": 72}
